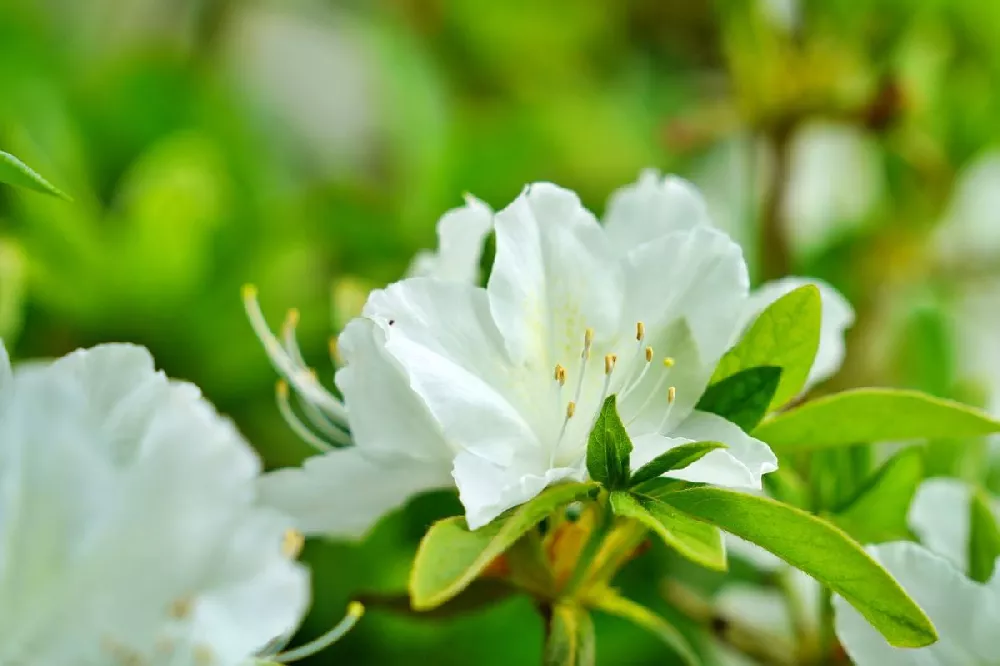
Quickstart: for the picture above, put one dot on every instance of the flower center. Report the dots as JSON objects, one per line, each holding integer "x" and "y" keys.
{"x": 622, "y": 378}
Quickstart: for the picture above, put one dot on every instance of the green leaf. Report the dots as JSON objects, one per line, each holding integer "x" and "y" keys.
{"x": 878, "y": 511}
{"x": 698, "y": 541}
{"x": 570, "y": 640}
{"x": 678, "y": 457}
{"x": 15, "y": 172}
{"x": 451, "y": 556}
{"x": 742, "y": 398}
{"x": 819, "y": 549}
{"x": 871, "y": 415}
{"x": 984, "y": 538}
{"x": 786, "y": 336}
{"x": 608, "y": 601}
{"x": 609, "y": 448}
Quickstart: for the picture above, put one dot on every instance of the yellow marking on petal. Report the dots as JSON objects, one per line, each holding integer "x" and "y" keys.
{"x": 291, "y": 543}
{"x": 570, "y": 409}
{"x": 640, "y": 331}
{"x": 671, "y": 394}
{"x": 668, "y": 362}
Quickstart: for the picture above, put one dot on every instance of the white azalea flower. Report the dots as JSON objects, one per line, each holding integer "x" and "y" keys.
{"x": 129, "y": 530}
{"x": 965, "y": 613}
{"x": 495, "y": 389}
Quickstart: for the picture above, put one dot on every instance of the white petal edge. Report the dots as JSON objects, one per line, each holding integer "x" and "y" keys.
{"x": 461, "y": 233}
{"x": 939, "y": 516}
{"x": 344, "y": 494}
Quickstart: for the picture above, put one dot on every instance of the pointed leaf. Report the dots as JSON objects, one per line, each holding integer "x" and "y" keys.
{"x": 984, "y": 538}
{"x": 698, "y": 541}
{"x": 871, "y": 415}
{"x": 15, "y": 172}
{"x": 608, "y": 601}
{"x": 878, "y": 512}
{"x": 819, "y": 549}
{"x": 570, "y": 640}
{"x": 609, "y": 448}
{"x": 451, "y": 556}
{"x": 678, "y": 457}
{"x": 786, "y": 336}
{"x": 742, "y": 398}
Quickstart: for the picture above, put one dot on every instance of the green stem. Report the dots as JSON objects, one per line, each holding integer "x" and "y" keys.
{"x": 827, "y": 639}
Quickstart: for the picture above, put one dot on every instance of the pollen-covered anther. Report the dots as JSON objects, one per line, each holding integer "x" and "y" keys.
{"x": 668, "y": 362}
{"x": 560, "y": 375}
{"x": 640, "y": 331}
{"x": 588, "y": 341}
{"x": 671, "y": 394}
{"x": 570, "y": 409}
{"x": 649, "y": 354}
{"x": 609, "y": 363}
{"x": 291, "y": 543}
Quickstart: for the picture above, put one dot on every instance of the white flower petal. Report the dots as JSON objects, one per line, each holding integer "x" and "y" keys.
{"x": 837, "y": 317}
{"x": 372, "y": 381}
{"x": 971, "y": 226}
{"x": 461, "y": 233}
{"x": 487, "y": 489}
{"x": 553, "y": 277}
{"x": 939, "y": 515}
{"x": 697, "y": 275}
{"x": 965, "y": 614}
{"x": 344, "y": 493}
{"x": 741, "y": 465}
{"x": 5, "y": 371}
{"x": 653, "y": 207}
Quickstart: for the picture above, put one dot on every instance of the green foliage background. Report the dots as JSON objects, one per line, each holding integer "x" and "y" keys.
{"x": 309, "y": 147}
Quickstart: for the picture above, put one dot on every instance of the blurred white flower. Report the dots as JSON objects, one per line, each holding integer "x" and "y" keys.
{"x": 970, "y": 228}
{"x": 940, "y": 516}
{"x": 965, "y": 613}
{"x": 129, "y": 529}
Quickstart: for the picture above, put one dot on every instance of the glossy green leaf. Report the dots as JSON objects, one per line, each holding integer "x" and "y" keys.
{"x": 570, "y": 640}
{"x": 878, "y": 512}
{"x": 871, "y": 415}
{"x": 819, "y": 549}
{"x": 678, "y": 457}
{"x": 785, "y": 336}
{"x": 15, "y": 172}
{"x": 984, "y": 538}
{"x": 608, "y": 601}
{"x": 742, "y": 398}
{"x": 697, "y": 541}
{"x": 609, "y": 448}
{"x": 451, "y": 556}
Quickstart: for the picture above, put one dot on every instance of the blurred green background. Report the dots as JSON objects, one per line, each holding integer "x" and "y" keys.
{"x": 310, "y": 146}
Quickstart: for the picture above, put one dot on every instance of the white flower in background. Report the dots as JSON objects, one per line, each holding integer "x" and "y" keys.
{"x": 129, "y": 530}
{"x": 970, "y": 229}
{"x": 965, "y": 613}
{"x": 940, "y": 516}
{"x": 495, "y": 389}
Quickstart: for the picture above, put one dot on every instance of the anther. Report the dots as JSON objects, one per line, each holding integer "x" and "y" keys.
{"x": 291, "y": 543}
{"x": 640, "y": 331}
{"x": 668, "y": 362}
{"x": 609, "y": 363}
{"x": 649, "y": 354}
{"x": 560, "y": 375}
{"x": 181, "y": 608}
{"x": 671, "y": 394}
{"x": 588, "y": 340}
{"x": 570, "y": 409}
{"x": 291, "y": 320}
{"x": 335, "y": 352}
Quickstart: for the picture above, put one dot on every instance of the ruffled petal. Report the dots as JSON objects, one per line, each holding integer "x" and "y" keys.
{"x": 653, "y": 207}
{"x": 344, "y": 493}
{"x": 553, "y": 277}
{"x": 461, "y": 233}
{"x": 939, "y": 515}
{"x": 741, "y": 465}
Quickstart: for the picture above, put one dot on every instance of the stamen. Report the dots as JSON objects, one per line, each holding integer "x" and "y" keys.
{"x": 570, "y": 410}
{"x": 609, "y": 363}
{"x": 671, "y": 397}
{"x": 668, "y": 362}
{"x": 640, "y": 331}
{"x": 632, "y": 384}
{"x": 560, "y": 375}
{"x": 299, "y": 428}
{"x": 336, "y": 434}
{"x": 649, "y": 354}
{"x": 671, "y": 394}
{"x": 588, "y": 340}
{"x": 291, "y": 543}
{"x": 288, "y": 366}
{"x": 354, "y": 612}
